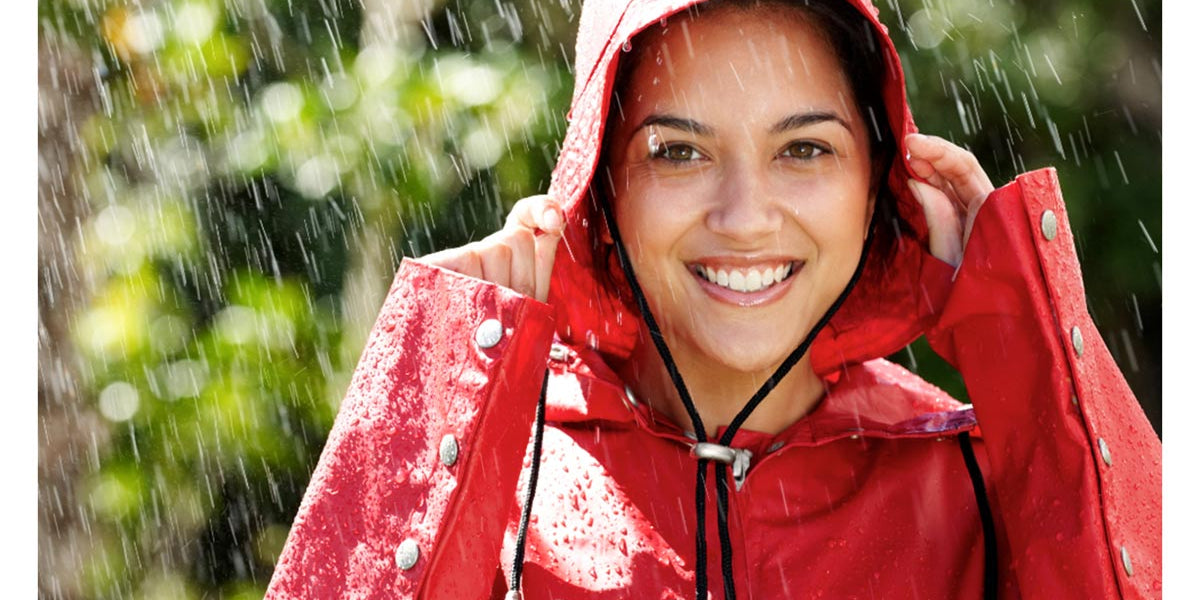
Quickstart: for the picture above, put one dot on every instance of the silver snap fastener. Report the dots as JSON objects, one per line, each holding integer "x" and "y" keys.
{"x": 774, "y": 447}
{"x": 1049, "y": 225}
{"x": 407, "y": 554}
{"x": 558, "y": 352}
{"x": 1104, "y": 453}
{"x": 1126, "y": 561}
{"x": 630, "y": 397}
{"x": 489, "y": 333}
{"x": 1077, "y": 340}
{"x": 448, "y": 450}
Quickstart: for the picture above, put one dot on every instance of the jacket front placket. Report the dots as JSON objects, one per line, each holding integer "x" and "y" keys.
{"x": 415, "y": 481}
{"x": 1076, "y": 465}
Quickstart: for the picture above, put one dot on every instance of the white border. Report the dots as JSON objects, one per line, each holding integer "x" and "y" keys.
{"x": 1181, "y": 413}
{"x": 18, "y": 236}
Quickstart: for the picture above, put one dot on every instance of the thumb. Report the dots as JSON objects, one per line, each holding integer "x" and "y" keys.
{"x": 945, "y": 224}
{"x": 551, "y": 223}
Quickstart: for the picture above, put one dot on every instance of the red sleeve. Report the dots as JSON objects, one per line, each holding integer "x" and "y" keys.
{"x": 417, "y": 479}
{"x": 1076, "y": 465}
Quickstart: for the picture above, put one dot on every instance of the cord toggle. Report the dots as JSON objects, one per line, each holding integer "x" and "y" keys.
{"x": 737, "y": 458}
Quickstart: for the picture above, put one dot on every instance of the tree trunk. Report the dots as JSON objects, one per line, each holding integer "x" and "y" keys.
{"x": 70, "y": 433}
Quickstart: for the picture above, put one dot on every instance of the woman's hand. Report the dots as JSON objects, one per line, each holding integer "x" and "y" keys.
{"x": 959, "y": 188}
{"x": 520, "y": 256}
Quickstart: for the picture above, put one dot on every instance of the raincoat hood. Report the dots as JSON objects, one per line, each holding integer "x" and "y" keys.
{"x": 888, "y": 308}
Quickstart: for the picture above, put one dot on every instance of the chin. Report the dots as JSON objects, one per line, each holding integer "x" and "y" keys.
{"x": 751, "y": 357}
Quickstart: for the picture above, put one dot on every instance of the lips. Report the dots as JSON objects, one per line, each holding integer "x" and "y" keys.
{"x": 745, "y": 279}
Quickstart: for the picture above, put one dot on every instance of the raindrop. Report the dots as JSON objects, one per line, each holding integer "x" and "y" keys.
{"x": 317, "y": 176}
{"x": 119, "y": 401}
{"x": 142, "y": 32}
{"x": 281, "y": 102}
{"x": 194, "y": 23}
{"x": 115, "y": 225}
{"x": 1141, "y": 224}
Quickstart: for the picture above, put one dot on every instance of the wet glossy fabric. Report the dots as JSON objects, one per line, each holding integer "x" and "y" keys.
{"x": 867, "y": 497}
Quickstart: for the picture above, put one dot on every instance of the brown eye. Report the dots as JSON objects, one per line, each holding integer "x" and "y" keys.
{"x": 805, "y": 150}
{"x": 676, "y": 152}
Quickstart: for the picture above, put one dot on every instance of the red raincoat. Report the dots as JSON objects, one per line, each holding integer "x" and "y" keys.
{"x": 866, "y": 497}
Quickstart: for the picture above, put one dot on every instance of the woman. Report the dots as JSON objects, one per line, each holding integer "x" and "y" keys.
{"x": 725, "y": 261}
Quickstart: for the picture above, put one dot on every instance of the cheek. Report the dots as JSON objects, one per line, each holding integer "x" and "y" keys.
{"x": 834, "y": 215}
{"x": 652, "y": 217}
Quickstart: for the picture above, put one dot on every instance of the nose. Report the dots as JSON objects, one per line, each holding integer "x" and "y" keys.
{"x": 743, "y": 210}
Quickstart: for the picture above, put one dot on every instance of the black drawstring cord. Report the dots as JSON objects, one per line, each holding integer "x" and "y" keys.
{"x": 991, "y": 564}
{"x": 723, "y": 534}
{"x": 514, "y": 585}
{"x": 698, "y": 425}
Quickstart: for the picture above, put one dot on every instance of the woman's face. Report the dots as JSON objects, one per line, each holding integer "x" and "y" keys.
{"x": 741, "y": 178}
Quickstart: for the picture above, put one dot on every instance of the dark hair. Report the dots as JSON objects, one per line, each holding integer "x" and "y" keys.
{"x": 860, "y": 55}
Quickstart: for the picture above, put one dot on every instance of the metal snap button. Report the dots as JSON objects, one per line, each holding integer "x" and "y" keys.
{"x": 448, "y": 450}
{"x": 1049, "y": 225}
{"x": 407, "y": 554}
{"x": 1077, "y": 340}
{"x": 489, "y": 333}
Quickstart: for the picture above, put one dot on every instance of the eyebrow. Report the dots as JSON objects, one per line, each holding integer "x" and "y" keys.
{"x": 800, "y": 120}
{"x": 689, "y": 125}
{"x": 788, "y": 123}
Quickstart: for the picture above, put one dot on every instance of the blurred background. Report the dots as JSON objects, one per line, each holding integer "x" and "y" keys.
{"x": 226, "y": 187}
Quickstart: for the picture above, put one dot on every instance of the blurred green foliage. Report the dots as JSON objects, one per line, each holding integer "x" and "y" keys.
{"x": 241, "y": 151}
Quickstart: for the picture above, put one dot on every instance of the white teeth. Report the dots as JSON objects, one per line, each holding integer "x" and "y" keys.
{"x": 749, "y": 280}
{"x": 753, "y": 281}
{"x": 737, "y": 281}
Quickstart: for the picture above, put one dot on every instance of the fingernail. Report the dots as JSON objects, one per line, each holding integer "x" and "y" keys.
{"x": 551, "y": 220}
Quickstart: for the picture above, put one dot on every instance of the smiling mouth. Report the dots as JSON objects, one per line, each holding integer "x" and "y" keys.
{"x": 745, "y": 280}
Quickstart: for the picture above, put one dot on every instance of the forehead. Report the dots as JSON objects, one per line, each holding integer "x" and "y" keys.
{"x": 762, "y": 55}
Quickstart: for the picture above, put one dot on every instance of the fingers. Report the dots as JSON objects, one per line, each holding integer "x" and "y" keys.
{"x": 545, "y": 248}
{"x": 944, "y": 219}
{"x": 945, "y": 164}
{"x": 541, "y": 221}
{"x": 518, "y": 244}
{"x": 460, "y": 260}
{"x": 520, "y": 256}
{"x": 536, "y": 213}
{"x": 497, "y": 263}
